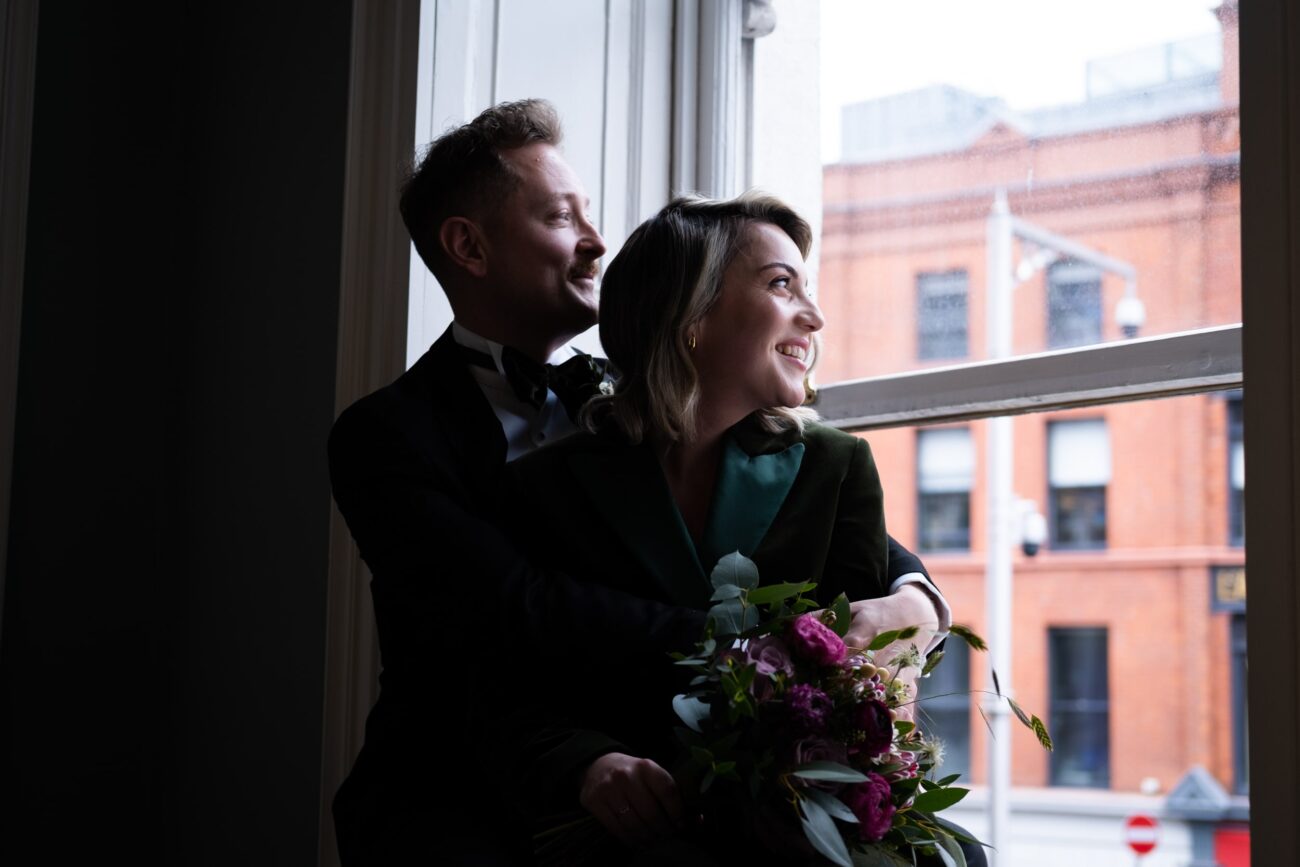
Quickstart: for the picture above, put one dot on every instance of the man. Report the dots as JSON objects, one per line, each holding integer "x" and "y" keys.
{"x": 501, "y": 220}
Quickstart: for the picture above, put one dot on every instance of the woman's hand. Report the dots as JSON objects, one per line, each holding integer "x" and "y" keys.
{"x": 635, "y": 799}
{"x": 909, "y": 606}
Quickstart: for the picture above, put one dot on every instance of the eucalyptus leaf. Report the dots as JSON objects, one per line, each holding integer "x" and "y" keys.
{"x": 819, "y": 828}
{"x": 690, "y": 710}
{"x": 955, "y": 831}
{"x": 726, "y": 591}
{"x": 727, "y": 617}
{"x": 775, "y": 593}
{"x": 903, "y": 726}
{"x": 938, "y": 799}
{"x": 908, "y": 632}
{"x": 735, "y": 568}
{"x": 949, "y": 780}
{"x": 843, "y": 615}
{"x": 879, "y": 856}
{"x": 831, "y": 804}
{"x": 830, "y": 771}
{"x": 950, "y": 852}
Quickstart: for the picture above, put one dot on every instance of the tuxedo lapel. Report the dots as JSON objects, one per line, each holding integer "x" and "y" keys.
{"x": 628, "y": 489}
{"x": 461, "y": 412}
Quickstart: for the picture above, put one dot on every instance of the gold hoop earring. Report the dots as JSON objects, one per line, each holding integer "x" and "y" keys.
{"x": 690, "y": 342}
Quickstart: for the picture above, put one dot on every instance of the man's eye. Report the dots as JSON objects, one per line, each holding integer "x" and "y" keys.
{"x": 561, "y": 216}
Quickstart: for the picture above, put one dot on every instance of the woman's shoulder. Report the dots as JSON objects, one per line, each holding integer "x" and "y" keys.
{"x": 831, "y": 441}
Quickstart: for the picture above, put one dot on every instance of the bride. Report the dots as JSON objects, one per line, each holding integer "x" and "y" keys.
{"x": 702, "y": 449}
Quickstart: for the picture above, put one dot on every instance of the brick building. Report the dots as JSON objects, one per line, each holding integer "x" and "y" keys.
{"x": 1128, "y": 623}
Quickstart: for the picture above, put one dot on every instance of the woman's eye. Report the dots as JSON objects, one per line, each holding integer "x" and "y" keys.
{"x": 781, "y": 283}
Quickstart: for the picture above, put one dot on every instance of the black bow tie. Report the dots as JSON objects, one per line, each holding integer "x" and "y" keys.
{"x": 574, "y": 382}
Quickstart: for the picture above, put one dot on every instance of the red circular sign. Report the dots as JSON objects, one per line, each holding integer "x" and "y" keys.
{"x": 1140, "y": 833}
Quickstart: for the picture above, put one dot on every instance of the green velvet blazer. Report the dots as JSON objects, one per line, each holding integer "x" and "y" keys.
{"x": 804, "y": 506}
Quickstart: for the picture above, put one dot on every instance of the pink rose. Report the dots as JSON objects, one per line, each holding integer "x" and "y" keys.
{"x": 815, "y": 642}
{"x": 871, "y": 803}
{"x": 770, "y": 655}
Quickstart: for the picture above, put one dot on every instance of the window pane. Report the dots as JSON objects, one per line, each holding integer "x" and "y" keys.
{"x": 1167, "y": 590}
{"x": 1116, "y": 152}
{"x": 941, "y": 315}
{"x": 1080, "y": 707}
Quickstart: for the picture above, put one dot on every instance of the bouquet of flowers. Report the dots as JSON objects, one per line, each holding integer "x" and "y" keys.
{"x": 787, "y": 722}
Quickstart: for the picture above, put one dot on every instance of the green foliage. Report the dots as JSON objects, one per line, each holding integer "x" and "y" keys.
{"x": 843, "y": 615}
{"x": 966, "y": 635}
{"x": 832, "y": 772}
{"x": 932, "y": 662}
{"x": 737, "y": 569}
{"x": 938, "y": 799}
{"x": 776, "y": 593}
{"x": 831, "y": 804}
{"x": 819, "y": 828}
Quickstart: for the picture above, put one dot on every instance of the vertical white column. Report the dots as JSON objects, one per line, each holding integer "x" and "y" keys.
{"x": 1000, "y": 535}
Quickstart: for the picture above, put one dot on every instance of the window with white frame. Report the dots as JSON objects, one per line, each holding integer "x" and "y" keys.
{"x": 1073, "y": 305}
{"x": 1078, "y": 474}
{"x": 945, "y": 472}
{"x": 941, "y": 319}
{"x": 945, "y": 707}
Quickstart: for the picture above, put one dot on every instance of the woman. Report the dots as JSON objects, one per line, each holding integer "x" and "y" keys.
{"x": 701, "y": 451}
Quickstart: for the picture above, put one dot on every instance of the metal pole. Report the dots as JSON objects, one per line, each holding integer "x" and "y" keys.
{"x": 1000, "y": 538}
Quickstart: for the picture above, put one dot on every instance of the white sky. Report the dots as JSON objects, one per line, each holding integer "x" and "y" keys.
{"x": 1029, "y": 52}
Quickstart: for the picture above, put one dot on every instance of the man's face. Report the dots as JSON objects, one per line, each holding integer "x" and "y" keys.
{"x": 542, "y": 246}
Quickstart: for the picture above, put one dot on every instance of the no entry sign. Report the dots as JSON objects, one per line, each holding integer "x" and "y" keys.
{"x": 1140, "y": 833}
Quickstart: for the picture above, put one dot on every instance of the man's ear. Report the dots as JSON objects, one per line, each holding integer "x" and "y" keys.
{"x": 465, "y": 245}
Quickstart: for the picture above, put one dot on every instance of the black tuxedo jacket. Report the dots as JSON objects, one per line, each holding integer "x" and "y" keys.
{"x": 415, "y": 469}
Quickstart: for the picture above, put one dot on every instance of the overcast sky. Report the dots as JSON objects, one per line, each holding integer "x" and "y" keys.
{"x": 1029, "y": 52}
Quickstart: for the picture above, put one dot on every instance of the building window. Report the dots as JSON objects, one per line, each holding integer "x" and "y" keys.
{"x": 945, "y": 469}
{"x": 1078, "y": 473}
{"x": 1079, "y": 704}
{"x": 945, "y": 707}
{"x": 1073, "y": 305}
{"x": 941, "y": 315}
{"x": 1236, "y": 475}
{"x": 1240, "y": 721}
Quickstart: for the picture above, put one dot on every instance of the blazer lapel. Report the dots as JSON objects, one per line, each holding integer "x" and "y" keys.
{"x": 754, "y": 479}
{"x": 628, "y": 488}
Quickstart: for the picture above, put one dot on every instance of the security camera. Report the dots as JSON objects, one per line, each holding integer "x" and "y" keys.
{"x": 1130, "y": 315}
{"x": 1033, "y": 530}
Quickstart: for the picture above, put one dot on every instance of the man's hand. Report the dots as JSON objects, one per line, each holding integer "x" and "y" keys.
{"x": 909, "y": 606}
{"x": 636, "y": 800}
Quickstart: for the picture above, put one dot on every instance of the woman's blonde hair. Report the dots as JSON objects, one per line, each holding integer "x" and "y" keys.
{"x": 660, "y": 285}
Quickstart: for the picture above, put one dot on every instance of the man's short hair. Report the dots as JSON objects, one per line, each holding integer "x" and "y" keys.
{"x": 462, "y": 173}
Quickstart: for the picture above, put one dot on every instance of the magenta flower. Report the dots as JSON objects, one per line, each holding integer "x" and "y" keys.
{"x": 871, "y": 803}
{"x": 815, "y": 642}
{"x": 807, "y": 708}
{"x": 873, "y": 719}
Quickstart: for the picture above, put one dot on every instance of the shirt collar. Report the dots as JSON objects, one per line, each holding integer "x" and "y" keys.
{"x": 470, "y": 340}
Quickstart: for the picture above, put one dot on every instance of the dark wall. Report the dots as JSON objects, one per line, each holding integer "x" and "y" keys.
{"x": 162, "y": 646}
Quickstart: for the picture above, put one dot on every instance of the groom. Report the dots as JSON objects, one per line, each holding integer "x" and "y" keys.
{"x": 501, "y": 220}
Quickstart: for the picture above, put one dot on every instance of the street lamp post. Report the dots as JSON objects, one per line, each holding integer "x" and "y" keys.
{"x": 1004, "y": 513}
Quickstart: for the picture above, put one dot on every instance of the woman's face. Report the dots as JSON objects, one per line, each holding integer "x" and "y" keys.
{"x": 753, "y": 348}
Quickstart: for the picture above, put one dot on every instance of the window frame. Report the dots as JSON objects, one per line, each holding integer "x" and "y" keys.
{"x": 1055, "y": 293}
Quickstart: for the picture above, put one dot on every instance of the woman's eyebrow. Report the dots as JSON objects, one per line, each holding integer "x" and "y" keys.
{"x": 793, "y": 271}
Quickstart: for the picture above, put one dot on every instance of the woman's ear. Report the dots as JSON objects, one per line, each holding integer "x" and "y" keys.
{"x": 465, "y": 245}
